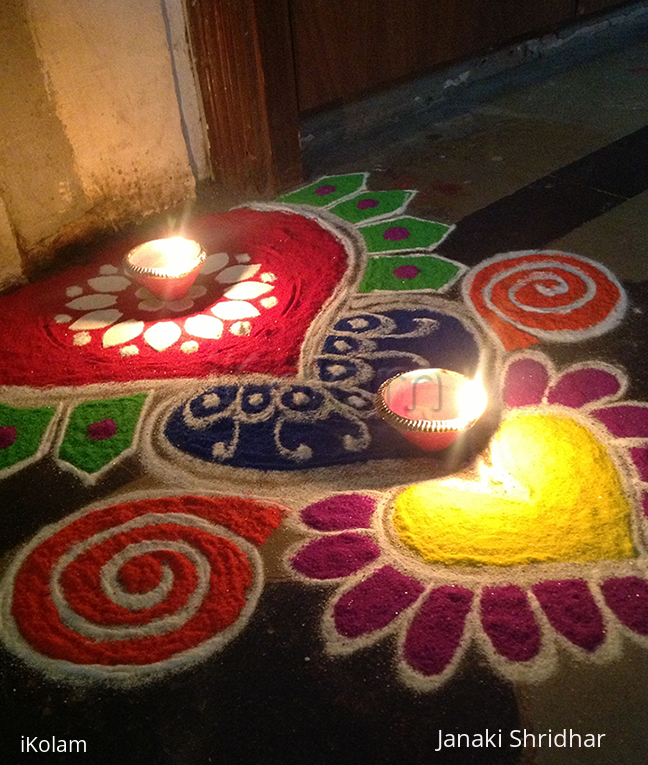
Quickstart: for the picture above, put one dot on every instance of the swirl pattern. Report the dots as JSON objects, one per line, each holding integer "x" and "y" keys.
{"x": 528, "y": 297}
{"x": 136, "y": 588}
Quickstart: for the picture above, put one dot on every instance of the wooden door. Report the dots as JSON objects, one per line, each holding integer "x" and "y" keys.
{"x": 263, "y": 63}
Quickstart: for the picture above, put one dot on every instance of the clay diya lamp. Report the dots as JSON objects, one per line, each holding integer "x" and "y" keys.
{"x": 165, "y": 267}
{"x": 431, "y": 407}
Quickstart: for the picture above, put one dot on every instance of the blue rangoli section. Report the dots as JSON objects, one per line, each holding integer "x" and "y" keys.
{"x": 289, "y": 424}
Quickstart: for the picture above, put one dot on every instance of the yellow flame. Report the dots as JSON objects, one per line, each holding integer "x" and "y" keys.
{"x": 175, "y": 255}
{"x": 471, "y": 399}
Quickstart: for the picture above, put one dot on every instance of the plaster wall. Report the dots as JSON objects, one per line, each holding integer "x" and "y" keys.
{"x": 91, "y": 136}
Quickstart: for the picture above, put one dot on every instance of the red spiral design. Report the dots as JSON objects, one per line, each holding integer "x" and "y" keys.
{"x": 546, "y": 295}
{"x": 137, "y": 584}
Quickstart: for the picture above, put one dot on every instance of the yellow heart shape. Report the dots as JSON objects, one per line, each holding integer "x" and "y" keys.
{"x": 559, "y": 498}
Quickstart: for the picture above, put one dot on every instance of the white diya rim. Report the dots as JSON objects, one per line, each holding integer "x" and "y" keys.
{"x": 197, "y": 254}
{"x": 405, "y": 424}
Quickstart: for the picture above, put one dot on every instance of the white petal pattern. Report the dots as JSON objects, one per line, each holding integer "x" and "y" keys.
{"x": 162, "y": 335}
{"x": 204, "y": 326}
{"x": 238, "y": 273}
{"x": 122, "y": 332}
{"x": 151, "y": 304}
{"x": 214, "y": 262}
{"x": 247, "y": 290}
{"x": 74, "y": 291}
{"x": 90, "y": 302}
{"x": 109, "y": 283}
{"x": 241, "y": 328}
{"x": 196, "y": 291}
{"x": 231, "y": 310}
{"x": 97, "y": 319}
{"x": 183, "y": 304}
{"x": 82, "y": 338}
{"x": 189, "y": 346}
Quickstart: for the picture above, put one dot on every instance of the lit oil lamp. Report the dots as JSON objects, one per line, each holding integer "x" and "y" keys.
{"x": 166, "y": 267}
{"x": 431, "y": 407}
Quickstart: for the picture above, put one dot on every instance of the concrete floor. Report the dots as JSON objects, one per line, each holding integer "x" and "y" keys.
{"x": 483, "y": 151}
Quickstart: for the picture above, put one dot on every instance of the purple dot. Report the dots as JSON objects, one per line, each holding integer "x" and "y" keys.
{"x": 322, "y": 191}
{"x": 101, "y": 430}
{"x": 406, "y": 272}
{"x": 396, "y": 233}
{"x": 7, "y": 436}
{"x": 366, "y": 204}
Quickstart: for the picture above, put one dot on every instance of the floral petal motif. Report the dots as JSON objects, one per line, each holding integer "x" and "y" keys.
{"x": 525, "y": 383}
{"x": 183, "y": 304}
{"x": 409, "y": 272}
{"x": 232, "y": 310}
{"x": 326, "y": 190}
{"x": 238, "y": 273}
{"x": 375, "y": 602}
{"x": 204, "y": 326}
{"x": 23, "y": 434}
{"x": 335, "y": 556}
{"x": 214, "y": 262}
{"x": 572, "y": 611}
{"x": 343, "y": 511}
{"x": 404, "y": 234}
{"x": 509, "y": 622}
{"x": 196, "y": 291}
{"x": 241, "y": 328}
{"x": 639, "y": 456}
{"x": 162, "y": 335}
{"x": 151, "y": 304}
{"x": 582, "y": 386}
{"x": 90, "y": 302}
{"x": 627, "y": 597}
{"x": 624, "y": 420}
{"x": 109, "y": 283}
{"x": 97, "y": 319}
{"x": 99, "y": 432}
{"x": 122, "y": 332}
{"x": 247, "y": 290}
{"x": 372, "y": 204}
{"x": 436, "y": 631}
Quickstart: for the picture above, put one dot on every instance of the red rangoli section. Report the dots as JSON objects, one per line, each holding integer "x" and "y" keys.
{"x": 209, "y": 578}
{"x": 294, "y": 266}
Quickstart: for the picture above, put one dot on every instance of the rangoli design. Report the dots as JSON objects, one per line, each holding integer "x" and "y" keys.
{"x": 137, "y": 589}
{"x": 25, "y": 435}
{"x": 267, "y": 276}
{"x": 98, "y": 432}
{"x": 544, "y": 545}
{"x": 88, "y": 438}
{"x": 528, "y": 297}
{"x": 269, "y": 367}
{"x": 329, "y": 417}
